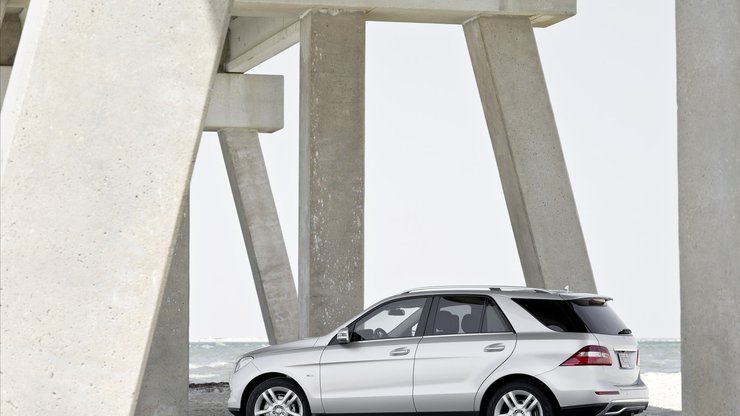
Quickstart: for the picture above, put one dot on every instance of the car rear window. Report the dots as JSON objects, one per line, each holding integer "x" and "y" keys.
{"x": 599, "y": 317}
{"x": 582, "y": 315}
{"x": 557, "y": 315}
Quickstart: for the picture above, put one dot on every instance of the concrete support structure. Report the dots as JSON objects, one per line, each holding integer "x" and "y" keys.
{"x": 263, "y": 236}
{"x": 709, "y": 204}
{"x": 530, "y": 160}
{"x": 332, "y": 169}
{"x": 163, "y": 392}
{"x": 239, "y": 101}
{"x": 10, "y": 36}
{"x": 91, "y": 194}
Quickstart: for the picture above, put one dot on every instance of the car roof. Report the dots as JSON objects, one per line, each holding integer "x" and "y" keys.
{"x": 507, "y": 291}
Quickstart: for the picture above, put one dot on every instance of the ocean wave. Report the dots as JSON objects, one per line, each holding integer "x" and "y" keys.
{"x": 215, "y": 364}
{"x": 202, "y": 376}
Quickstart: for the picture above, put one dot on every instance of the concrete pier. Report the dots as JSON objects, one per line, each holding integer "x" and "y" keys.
{"x": 263, "y": 236}
{"x": 164, "y": 388}
{"x": 332, "y": 169}
{"x": 99, "y": 138}
{"x": 530, "y": 160}
{"x": 708, "y": 35}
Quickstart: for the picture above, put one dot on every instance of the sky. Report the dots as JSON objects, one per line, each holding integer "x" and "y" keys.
{"x": 435, "y": 211}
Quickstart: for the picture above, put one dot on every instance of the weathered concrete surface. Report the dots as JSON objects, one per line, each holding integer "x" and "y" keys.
{"x": 164, "y": 389}
{"x": 530, "y": 160}
{"x": 253, "y": 40}
{"x": 241, "y": 101}
{"x": 3, "y": 8}
{"x": 332, "y": 170}
{"x": 541, "y": 12}
{"x": 709, "y": 204}
{"x": 263, "y": 236}
{"x": 92, "y": 190}
{"x": 10, "y": 36}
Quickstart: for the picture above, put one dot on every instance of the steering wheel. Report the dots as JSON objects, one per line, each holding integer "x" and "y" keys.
{"x": 380, "y": 333}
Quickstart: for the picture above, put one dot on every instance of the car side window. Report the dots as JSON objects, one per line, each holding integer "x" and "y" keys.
{"x": 398, "y": 319}
{"x": 458, "y": 315}
{"x": 468, "y": 315}
{"x": 494, "y": 320}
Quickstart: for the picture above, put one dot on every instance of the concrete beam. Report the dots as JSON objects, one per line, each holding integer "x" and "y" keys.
{"x": 530, "y": 160}
{"x": 164, "y": 388}
{"x": 246, "y": 102}
{"x": 332, "y": 170}
{"x": 541, "y": 12}
{"x": 91, "y": 195}
{"x": 270, "y": 27}
{"x": 263, "y": 236}
{"x": 708, "y": 63}
{"x": 253, "y": 40}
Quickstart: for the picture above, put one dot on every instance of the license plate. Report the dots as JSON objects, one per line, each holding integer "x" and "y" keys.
{"x": 625, "y": 360}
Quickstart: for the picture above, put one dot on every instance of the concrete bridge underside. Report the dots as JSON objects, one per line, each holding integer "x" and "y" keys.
{"x": 100, "y": 126}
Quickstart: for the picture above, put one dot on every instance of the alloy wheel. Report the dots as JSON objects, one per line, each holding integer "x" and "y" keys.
{"x": 518, "y": 403}
{"x": 278, "y": 401}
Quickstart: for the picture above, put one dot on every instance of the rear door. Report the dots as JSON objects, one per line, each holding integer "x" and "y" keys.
{"x": 467, "y": 338}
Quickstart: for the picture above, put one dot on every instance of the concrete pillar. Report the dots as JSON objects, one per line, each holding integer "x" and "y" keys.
{"x": 530, "y": 160}
{"x": 101, "y": 133}
{"x": 164, "y": 388}
{"x": 263, "y": 236}
{"x": 332, "y": 169}
{"x": 709, "y": 204}
{"x": 10, "y": 36}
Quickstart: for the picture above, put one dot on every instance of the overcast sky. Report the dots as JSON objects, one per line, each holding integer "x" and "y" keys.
{"x": 435, "y": 212}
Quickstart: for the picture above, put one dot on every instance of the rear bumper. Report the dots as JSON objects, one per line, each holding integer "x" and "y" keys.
{"x": 615, "y": 408}
{"x": 621, "y": 407}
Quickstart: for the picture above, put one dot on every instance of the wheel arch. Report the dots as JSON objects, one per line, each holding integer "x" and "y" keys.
{"x": 516, "y": 378}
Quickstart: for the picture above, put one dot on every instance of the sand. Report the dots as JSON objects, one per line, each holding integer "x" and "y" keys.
{"x": 210, "y": 400}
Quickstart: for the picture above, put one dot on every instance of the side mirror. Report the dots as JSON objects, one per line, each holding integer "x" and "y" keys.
{"x": 343, "y": 336}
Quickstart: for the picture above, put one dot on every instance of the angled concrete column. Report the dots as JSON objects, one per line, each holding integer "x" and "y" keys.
{"x": 709, "y": 204}
{"x": 332, "y": 169}
{"x": 10, "y": 36}
{"x": 101, "y": 134}
{"x": 263, "y": 236}
{"x": 530, "y": 160}
{"x": 164, "y": 389}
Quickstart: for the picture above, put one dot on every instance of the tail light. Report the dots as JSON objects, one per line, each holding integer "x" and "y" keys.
{"x": 590, "y": 355}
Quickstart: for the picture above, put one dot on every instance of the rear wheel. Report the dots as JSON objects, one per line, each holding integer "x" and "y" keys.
{"x": 278, "y": 397}
{"x": 520, "y": 399}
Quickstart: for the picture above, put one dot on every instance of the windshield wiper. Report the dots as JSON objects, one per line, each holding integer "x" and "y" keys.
{"x": 625, "y": 331}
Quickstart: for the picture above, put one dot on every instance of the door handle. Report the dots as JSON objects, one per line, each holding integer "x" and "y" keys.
{"x": 497, "y": 347}
{"x": 400, "y": 351}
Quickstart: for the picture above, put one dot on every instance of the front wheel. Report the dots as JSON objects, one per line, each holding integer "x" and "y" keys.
{"x": 520, "y": 399}
{"x": 278, "y": 397}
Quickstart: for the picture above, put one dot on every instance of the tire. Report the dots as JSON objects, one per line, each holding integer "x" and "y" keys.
{"x": 520, "y": 399}
{"x": 279, "y": 397}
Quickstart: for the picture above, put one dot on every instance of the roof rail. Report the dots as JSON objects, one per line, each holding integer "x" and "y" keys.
{"x": 486, "y": 288}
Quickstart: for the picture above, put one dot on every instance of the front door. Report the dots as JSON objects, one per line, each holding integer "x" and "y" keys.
{"x": 374, "y": 372}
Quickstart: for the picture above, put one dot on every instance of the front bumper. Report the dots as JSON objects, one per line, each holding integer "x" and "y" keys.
{"x": 235, "y": 412}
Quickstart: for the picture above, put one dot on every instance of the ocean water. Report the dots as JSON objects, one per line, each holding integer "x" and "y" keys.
{"x": 213, "y": 361}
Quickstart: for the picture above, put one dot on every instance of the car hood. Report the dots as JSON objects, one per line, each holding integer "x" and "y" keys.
{"x": 295, "y": 345}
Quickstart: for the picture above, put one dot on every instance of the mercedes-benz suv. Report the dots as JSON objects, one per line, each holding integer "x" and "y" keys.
{"x": 488, "y": 351}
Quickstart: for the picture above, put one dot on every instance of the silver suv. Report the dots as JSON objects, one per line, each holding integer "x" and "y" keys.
{"x": 454, "y": 350}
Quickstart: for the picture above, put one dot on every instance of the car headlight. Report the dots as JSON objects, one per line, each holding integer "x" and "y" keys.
{"x": 241, "y": 362}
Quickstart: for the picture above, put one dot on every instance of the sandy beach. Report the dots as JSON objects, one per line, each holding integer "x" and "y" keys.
{"x": 210, "y": 400}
